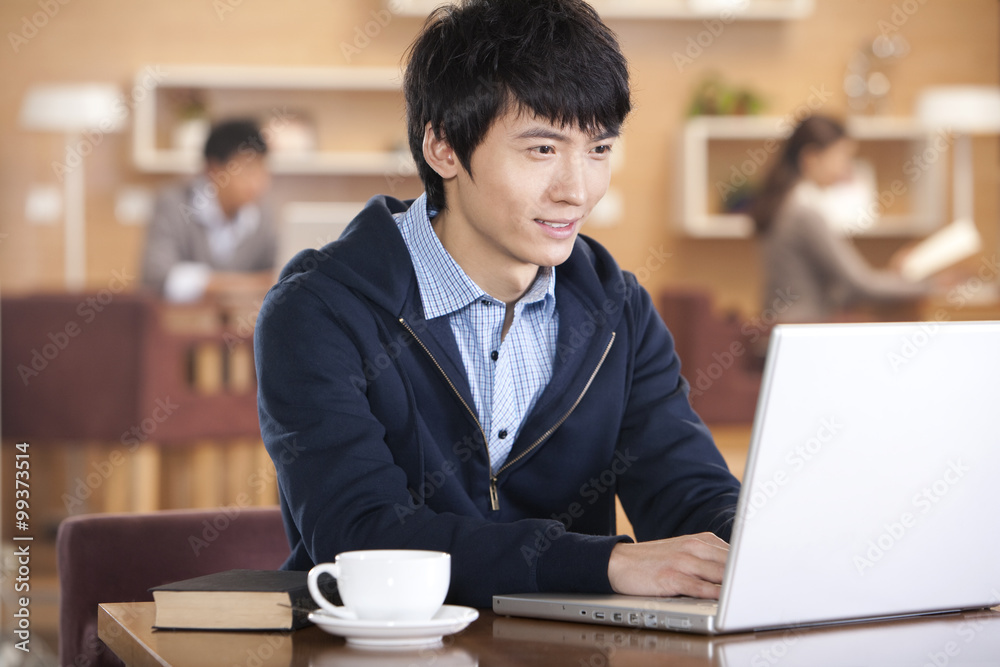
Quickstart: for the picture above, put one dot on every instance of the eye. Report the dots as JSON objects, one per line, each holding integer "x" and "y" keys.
{"x": 603, "y": 149}
{"x": 545, "y": 150}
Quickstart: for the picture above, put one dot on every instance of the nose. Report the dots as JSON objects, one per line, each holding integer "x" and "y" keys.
{"x": 569, "y": 184}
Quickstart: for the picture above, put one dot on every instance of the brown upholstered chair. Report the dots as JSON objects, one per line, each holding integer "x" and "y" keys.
{"x": 118, "y": 557}
{"x": 720, "y": 355}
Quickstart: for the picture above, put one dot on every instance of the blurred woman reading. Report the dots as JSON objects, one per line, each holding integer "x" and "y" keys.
{"x": 802, "y": 252}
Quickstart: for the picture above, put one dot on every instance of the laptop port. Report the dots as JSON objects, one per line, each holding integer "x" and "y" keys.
{"x": 650, "y": 620}
{"x": 633, "y": 619}
{"x": 599, "y": 615}
{"x": 617, "y": 618}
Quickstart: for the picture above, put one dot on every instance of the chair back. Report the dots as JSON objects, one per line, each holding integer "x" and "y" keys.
{"x": 118, "y": 557}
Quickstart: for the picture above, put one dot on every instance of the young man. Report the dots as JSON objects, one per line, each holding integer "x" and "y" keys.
{"x": 211, "y": 234}
{"x": 464, "y": 372}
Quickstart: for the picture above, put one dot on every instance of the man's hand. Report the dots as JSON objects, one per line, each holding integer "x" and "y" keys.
{"x": 689, "y": 565}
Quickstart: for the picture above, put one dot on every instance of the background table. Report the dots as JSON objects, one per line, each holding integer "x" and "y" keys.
{"x": 954, "y": 639}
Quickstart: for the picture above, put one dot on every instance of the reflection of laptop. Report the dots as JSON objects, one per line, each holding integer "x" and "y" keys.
{"x": 869, "y": 492}
{"x": 966, "y": 638}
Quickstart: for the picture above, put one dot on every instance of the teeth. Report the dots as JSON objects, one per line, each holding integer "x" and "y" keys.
{"x": 555, "y": 225}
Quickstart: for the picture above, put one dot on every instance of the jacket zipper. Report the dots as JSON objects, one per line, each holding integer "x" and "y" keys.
{"x": 559, "y": 423}
{"x": 494, "y": 495}
{"x": 494, "y": 498}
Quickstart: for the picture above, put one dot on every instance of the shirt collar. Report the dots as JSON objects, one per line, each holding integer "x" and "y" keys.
{"x": 444, "y": 286}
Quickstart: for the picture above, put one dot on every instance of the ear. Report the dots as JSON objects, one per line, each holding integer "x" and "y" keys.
{"x": 439, "y": 154}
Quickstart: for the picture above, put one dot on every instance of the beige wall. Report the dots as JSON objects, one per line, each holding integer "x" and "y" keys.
{"x": 953, "y": 41}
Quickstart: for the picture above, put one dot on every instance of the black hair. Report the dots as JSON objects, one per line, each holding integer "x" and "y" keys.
{"x": 475, "y": 61}
{"x": 228, "y": 137}
{"x": 816, "y": 132}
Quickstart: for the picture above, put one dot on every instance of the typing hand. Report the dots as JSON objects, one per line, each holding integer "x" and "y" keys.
{"x": 689, "y": 565}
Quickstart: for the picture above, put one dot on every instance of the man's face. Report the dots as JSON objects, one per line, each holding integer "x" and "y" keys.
{"x": 532, "y": 186}
{"x": 241, "y": 181}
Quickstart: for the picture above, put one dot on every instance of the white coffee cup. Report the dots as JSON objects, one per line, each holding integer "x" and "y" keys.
{"x": 385, "y": 584}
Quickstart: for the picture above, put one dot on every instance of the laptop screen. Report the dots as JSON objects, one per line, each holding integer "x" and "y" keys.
{"x": 873, "y": 466}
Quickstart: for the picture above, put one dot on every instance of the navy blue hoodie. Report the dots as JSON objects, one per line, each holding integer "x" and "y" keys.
{"x": 365, "y": 409}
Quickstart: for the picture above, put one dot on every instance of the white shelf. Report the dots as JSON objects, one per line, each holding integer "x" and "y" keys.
{"x": 694, "y": 220}
{"x": 333, "y": 163}
{"x": 148, "y": 157}
{"x": 309, "y": 78}
{"x": 684, "y": 10}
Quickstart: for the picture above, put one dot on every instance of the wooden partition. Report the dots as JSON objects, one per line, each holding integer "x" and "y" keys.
{"x": 137, "y": 406}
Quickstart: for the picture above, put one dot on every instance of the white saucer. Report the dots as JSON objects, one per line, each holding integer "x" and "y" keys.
{"x": 397, "y": 634}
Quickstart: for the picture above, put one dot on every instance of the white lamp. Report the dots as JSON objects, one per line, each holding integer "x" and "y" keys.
{"x": 963, "y": 111}
{"x": 74, "y": 109}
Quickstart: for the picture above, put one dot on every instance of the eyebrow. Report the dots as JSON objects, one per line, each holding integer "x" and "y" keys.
{"x": 547, "y": 133}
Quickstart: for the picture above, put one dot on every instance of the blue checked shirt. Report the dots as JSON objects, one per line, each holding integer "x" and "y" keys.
{"x": 508, "y": 376}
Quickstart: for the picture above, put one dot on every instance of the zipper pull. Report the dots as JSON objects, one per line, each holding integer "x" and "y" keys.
{"x": 494, "y": 497}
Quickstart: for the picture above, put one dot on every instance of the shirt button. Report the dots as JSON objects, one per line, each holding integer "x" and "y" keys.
{"x": 502, "y": 434}
{"x": 494, "y": 355}
{"x": 485, "y": 302}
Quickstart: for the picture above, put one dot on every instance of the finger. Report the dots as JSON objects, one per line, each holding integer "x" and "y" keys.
{"x": 711, "y": 539}
{"x": 685, "y": 568}
{"x": 703, "y": 569}
{"x": 698, "y": 588}
{"x": 703, "y": 547}
{"x": 678, "y": 583}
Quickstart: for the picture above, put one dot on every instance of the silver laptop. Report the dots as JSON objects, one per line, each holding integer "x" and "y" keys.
{"x": 870, "y": 490}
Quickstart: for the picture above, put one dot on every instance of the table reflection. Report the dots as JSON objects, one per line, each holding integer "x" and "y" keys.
{"x": 970, "y": 638}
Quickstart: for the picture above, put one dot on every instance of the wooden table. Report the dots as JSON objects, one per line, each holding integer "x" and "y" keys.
{"x": 955, "y": 639}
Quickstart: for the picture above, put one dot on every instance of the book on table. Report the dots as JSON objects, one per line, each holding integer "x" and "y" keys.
{"x": 237, "y": 600}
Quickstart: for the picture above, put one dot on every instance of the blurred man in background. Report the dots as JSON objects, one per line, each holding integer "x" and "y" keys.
{"x": 212, "y": 235}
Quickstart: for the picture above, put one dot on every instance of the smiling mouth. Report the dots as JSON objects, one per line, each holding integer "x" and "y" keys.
{"x": 554, "y": 225}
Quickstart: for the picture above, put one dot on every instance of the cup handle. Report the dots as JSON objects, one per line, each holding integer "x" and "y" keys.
{"x": 333, "y": 569}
